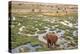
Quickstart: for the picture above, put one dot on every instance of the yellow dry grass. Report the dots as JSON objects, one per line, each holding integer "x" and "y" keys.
{"x": 55, "y": 14}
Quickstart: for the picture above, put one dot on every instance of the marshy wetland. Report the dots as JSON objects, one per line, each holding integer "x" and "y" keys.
{"x": 28, "y": 31}
{"x": 31, "y": 30}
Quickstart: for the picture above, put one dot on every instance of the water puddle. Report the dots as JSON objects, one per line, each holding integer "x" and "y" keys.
{"x": 26, "y": 46}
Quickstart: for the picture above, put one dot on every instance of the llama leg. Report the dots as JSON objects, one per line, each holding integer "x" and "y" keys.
{"x": 48, "y": 43}
{"x": 51, "y": 43}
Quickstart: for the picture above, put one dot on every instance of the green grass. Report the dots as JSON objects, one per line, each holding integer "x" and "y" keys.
{"x": 21, "y": 40}
{"x": 29, "y": 23}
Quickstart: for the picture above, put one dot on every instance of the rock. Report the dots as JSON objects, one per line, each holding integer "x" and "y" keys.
{"x": 13, "y": 18}
{"x": 19, "y": 24}
{"x": 75, "y": 33}
{"x": 23, "y": 49}
{"x": 21, "y": 29}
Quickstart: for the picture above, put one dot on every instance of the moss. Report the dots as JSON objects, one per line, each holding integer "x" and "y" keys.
{"x": 21, "y": 40}
{"x": 41, "y": 31}
{"x": 29, "y": 23}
